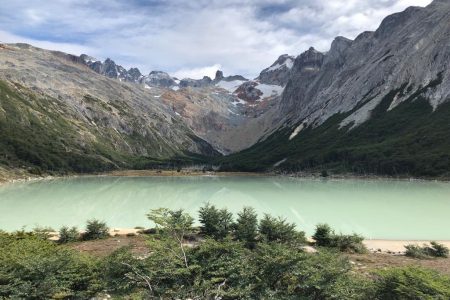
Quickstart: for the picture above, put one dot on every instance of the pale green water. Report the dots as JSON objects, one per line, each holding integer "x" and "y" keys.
{"x": 375, "y": 208}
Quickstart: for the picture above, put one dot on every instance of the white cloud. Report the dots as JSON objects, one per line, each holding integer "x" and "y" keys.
{"x": 6, "y": 37}
{"x": 187, "y": 38}
{"x": 197, "y": 73}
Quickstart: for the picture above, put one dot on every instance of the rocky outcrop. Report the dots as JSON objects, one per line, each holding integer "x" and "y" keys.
{"x": 248, "y": 91}
{"x": 110, "y": 69}
{"x": 196, "y": 83}
{"x": 279, "y": 72}
{"x": 159, "y": 79}
{"x": 409, "y": 52}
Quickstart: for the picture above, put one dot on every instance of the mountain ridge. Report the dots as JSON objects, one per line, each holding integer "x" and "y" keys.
{"x": 271, "y": 121}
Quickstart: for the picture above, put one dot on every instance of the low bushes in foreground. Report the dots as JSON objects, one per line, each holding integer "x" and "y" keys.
{"x": 411, "y": 283}
{"x": 35, "y": 268}
{"x": 249, "y": 260}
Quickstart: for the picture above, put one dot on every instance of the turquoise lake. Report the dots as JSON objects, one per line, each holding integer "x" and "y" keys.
{"x": 377, "y": 209}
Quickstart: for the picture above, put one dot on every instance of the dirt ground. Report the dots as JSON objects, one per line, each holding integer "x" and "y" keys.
{"x": 102, "y": 248}
{"x": 363, "y": 263}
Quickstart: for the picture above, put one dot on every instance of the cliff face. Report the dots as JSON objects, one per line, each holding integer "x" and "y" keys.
{"x": 378, "y": 104}
{"x": 410, "y": 49}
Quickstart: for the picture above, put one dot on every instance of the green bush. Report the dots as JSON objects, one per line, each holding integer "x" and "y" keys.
{"x": 246, "y": 226}
{"x": 121, "y": 270}
{"x": 434, "y": 250}
{"x": 323, "y": 235}
{"x": 349, "y": 243}
{"x": 43, "y": 232}
{"x": 95, "y": 230}
{"x": 215, "y": 223}
{"x": 438, "y": 250}
{"x": 279, "y": 230}
{"x": 326, "y": 237}
{"x": 68, "y": 235}
{"x": 412, "y": 283}
{"x": 33, "y": 268}
{"x": 416, "y": 251}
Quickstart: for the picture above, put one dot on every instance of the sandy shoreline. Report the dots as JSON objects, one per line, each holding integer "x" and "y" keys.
{"x": 395, "y": 245}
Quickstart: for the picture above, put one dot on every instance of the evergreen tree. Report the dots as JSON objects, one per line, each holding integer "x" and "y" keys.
{"x": 246, "y": 226}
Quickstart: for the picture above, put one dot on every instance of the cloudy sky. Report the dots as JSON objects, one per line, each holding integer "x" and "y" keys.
{"x": 191, "y": 38}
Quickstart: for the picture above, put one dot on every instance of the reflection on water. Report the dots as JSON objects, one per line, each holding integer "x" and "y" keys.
{"x": 374, "y": 208}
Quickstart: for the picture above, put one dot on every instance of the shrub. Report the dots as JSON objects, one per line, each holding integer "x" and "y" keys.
{"x": 68, "y": 235}
{"x": 119, "y": 271}
{"x": 278, "y": 230}
{"x": 173, "y": 226}
{"x": 415, "y": 251}
{"x": 349, "y": 243}
{"x": 285, "y": 273}
{"x": 95, "y": 230}
{"x": 215, "y": 223}
{"x": 434, "y": 250}
{"x": 43, "y": 232}
{"x": 323, "y": 235}
{"x": 412, "y": 283}
{"x": 439, "y": 250}
{"x": 246, "y": 226}
{"x": 33, "y": 268}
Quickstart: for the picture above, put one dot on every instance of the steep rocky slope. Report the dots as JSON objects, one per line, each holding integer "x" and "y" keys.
{"x": 57, "y": 114}
{"x": 60, "y": 112}
{"x": 378, "y": 104}
{"x": 410, "y": 49}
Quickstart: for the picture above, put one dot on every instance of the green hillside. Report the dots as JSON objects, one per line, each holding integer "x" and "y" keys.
{"x": 38, "y": 133}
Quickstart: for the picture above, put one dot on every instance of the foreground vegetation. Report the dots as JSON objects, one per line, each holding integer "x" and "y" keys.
{"x": 228, "y": 257}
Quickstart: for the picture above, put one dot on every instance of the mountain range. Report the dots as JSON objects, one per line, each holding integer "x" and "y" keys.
{"x": 378, "y": 104}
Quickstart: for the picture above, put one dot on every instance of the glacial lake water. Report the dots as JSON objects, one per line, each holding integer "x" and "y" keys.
{"x": 377, "y": 209}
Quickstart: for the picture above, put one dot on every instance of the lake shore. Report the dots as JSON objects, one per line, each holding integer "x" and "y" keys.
{"x": 20, "y": 175}
{"x": 395, "y": 246}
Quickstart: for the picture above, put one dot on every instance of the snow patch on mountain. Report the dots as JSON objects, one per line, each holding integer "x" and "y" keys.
{"x": 230, "y": 86}
{"x": 288, "y": 63}
{"x": 269, "y": 90}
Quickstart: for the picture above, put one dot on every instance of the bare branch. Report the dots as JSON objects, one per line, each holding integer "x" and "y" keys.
{"x": 143, "y": 277}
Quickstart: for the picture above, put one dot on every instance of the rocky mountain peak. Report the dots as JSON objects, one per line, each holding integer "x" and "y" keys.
{"x": 310, "y": 60}
{"x": 134, "y": 75}
{"x": 219, "y": 76}
{"x": 196, "y": 83}
{"x": 278, "y": 73}
{"x": 159, "y": 79}
{"x": 392, "y": 22}
{"x": 336, "y": 55}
